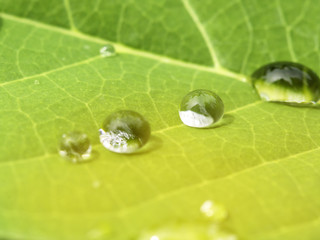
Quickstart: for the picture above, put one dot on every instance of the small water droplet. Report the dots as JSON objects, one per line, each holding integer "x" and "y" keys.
{"x": 201, "y": 108}
{"x": 107, "y": 51}
{"x": 213, "y": 211}
{"x": 36, "y": 82}
{"x": 124, "y": 132}
{"x": 286, "y": 82}
{"x": 75, "y": 147}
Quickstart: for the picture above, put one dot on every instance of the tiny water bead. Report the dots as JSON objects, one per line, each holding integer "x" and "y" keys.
{"x": 107, "y": 50}
{"x": 214, "y": 211}
{"x": 201, "y": 108}
{"x": 75, "y": 147}
{"x": 286, "y": 82}
{"x": 124, "y": 131}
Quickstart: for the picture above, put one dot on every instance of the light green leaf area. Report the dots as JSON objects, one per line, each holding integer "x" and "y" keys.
{"x": 261, "y": 161}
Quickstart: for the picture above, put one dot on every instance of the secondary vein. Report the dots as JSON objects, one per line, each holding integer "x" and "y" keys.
{"x": 203, "y": 32}
{"x": 69, "y": 13}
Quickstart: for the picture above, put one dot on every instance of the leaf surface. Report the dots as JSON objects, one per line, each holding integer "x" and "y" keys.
{"x": 261, "y": 162}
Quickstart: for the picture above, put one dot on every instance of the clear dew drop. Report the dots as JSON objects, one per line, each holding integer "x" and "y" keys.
{"x": 213, "y": 211}
{"x": 286, "y": 82}
{"x": 124, "y": 131}
{"x": 201, "y": 108}
{"x": 75, "y": 147}
{"x": 107, "y": 50}
{"x": 188, "y": 231}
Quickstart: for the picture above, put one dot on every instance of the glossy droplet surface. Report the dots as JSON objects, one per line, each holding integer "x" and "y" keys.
{"x": 286, "y": 82}
{"x": 188, "y": 231}
{"x": 214, "y": 211}
{"x": 201, "y": 108}
{"x": 124, "y": 132}
{"x": 75, "y": 147}
{"x": 107, "y": 51}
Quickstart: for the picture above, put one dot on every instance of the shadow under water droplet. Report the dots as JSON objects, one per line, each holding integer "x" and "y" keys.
{"x": 93, "y": 156}
{"x": 153, "y": 144}
{"x": 226, "y": 120}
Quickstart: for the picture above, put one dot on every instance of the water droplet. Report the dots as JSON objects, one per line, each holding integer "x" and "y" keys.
{"x": 75, "y": 147}
{"x": 124, "y": 132}
{"x": 201, "y": 108}
{"x": 188, "y": 231}
{"x": 107, "y": 51}
{"x": 36, "y": 82}
{"x": 286, "y": 82}
{"x": 213, "y": 211}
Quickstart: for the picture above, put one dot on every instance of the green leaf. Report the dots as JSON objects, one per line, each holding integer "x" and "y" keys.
{"x": 261, "y": 162}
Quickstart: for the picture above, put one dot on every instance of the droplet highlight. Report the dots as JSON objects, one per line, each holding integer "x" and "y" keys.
{"x": 213, "y": 211}
{"x": 124, "y": 131}
{"x": 107, "y": 51}
{"x": 286, "y": 82}
{"x": 75, "y": 147}
{"x": 201, "y": 108}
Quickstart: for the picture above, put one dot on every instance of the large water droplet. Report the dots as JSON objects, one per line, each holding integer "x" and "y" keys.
{"x": 75, "y": 147}
{"x": 124, "y": 132}
{"x": 201, "y": 108}
{"x": 286, "y": 82}
{"x": 188, "y": 231}
{"x": 107, "y": 50}
{"x": 214, "y": 211}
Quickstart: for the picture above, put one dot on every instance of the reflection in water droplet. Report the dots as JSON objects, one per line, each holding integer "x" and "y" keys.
{"x": 286, "y": 82}
{"x": 201, "y": 108}
{"x": 124, "y": 132}
{"x": 188, "y": 231}
{"x": 107, "y": 51}
{"x": 75, "y": 147}
{"x": 213, "y": 211}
